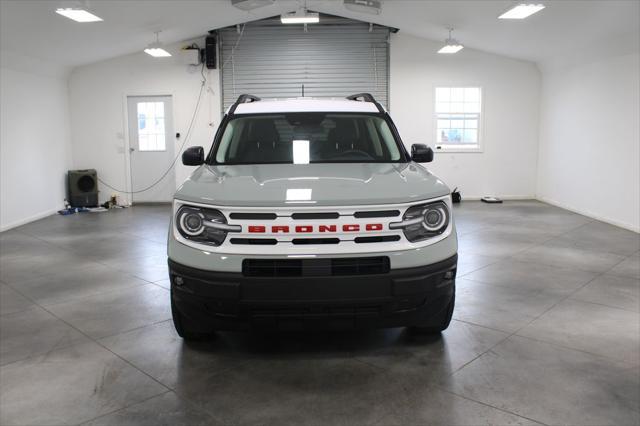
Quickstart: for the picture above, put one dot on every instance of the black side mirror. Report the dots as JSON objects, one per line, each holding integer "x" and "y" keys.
{"x": 193, "y": 156}
{"x": 421, "y": 153}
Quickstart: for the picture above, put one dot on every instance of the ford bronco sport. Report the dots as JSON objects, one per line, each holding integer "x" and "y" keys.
{"x": 310, "y": 213}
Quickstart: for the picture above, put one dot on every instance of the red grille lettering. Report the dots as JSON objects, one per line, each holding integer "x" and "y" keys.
{"x": 308, "y": 229}
{"x": 374, "y": 227}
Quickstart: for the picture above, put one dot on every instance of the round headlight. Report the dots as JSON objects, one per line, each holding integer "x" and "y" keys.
{"x": 191, "y": 223}
{"x": 196, "y": 224}
{"x": 424, "y": 221}
{"x": 434, "y": 218}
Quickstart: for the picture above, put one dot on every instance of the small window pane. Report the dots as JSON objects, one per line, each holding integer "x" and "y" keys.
{"x": 457, "y": 107}
{"x": 471, "y": 124}
{"x": 159, "y": 109}
{"x": 471, "y": 107}
{"x": 450, "y": 136}
{"x": 443, "y": 107}
{"x": 472, "y": 94}
{"x": 457, "y": 94}
{"x": 143, "y": 142}
{"x": 443, "y": 94}
{"x": 444, "y": 124}
{"x": 457, "y": 124}
{"x": 470, "y": 136}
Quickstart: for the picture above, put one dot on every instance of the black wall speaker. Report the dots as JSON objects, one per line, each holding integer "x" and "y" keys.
{"x": 82, "y": 188}
{"x": 210, "y": 52}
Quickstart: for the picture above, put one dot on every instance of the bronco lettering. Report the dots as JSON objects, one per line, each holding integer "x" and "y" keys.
{"x": 308, "y": 229}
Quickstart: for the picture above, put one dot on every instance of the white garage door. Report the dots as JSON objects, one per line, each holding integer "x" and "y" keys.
{"x": 335, "y": 58}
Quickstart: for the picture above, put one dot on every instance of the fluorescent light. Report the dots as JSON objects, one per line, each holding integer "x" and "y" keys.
{"x": 78, "y": 15}
{"x": 453, "y": 47}
{"x": 155, "y": 49}
{"x": 300, "y": 17}
{"x": 300, "y": 152}
{"x": 521, "y": 11}
{"x": 157, "y": 52}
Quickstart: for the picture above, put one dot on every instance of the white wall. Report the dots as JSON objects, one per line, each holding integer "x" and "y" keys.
{"x": 35, "y": 146}
{"x": 507, "y": 165}
{"x": 97, "y": 98}
{"x": 589, "y": 158}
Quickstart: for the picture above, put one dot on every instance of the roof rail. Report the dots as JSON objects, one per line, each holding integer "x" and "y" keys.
{"x": 242, "y": 99}
{"x": 366, "y": 97}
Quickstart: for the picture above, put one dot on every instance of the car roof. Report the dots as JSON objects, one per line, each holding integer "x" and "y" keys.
{"x": 304, "y": 105}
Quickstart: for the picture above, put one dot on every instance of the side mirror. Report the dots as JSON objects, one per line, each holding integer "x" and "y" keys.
{"x": 193, "y": 156}
{"x": 421, "y": 153}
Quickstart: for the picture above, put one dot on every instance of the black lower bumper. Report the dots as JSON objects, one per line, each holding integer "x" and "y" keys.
{"x": 233, "y": 301}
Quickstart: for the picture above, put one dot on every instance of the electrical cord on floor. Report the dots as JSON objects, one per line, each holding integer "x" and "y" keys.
{"x": 186, "y": 138}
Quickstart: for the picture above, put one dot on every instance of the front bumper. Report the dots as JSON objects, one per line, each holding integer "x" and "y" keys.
{"x": 232, "y": 301}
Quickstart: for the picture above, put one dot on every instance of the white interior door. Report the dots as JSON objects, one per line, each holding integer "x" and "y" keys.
{"x": 151, "y": 146}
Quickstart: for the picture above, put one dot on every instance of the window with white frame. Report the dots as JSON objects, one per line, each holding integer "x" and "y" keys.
{"x": 458, "y": 111}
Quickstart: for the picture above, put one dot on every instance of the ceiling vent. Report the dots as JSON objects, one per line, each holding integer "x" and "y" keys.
{"x": 373, "y": 7}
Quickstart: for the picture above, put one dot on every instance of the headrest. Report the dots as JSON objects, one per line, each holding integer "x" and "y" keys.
{"x": 264, "y": 131}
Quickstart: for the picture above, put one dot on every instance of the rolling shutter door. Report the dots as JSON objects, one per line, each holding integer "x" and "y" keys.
{"x": 335, "y": 58}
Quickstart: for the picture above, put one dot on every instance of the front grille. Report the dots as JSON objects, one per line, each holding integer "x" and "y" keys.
{"x": 305, "y": 311}
{"x": 315, "y": 267}
{"x": 315, "y": 241}
{"x": 380, "y": 213}
{"x": 308, "y": 216}
{"x": 255, "y": 241}
{"x": 381, "y": 239}
{"x": 253, "y": 216}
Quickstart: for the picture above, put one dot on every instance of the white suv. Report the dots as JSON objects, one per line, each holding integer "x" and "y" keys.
{"x": 310, "y": 213}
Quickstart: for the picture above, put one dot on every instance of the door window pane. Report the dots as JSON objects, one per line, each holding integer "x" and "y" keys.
{"x": 151, "y": 126}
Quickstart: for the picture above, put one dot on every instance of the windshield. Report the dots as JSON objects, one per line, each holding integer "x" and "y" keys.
{"x": 302, "y": 138}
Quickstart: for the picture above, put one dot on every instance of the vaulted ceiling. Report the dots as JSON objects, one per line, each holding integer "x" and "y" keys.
{"x": 567, "y": 30}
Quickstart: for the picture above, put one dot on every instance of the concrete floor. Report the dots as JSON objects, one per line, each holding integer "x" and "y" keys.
{"x": 546, "y": 330}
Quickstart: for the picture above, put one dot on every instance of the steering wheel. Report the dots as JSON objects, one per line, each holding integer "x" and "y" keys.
{"x": 353, "y": 154}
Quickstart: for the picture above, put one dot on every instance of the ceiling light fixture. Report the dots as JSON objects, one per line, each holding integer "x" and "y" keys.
{"x": 373, "y": 7}
{"x": 521, "y": 11}
{"x": 78, "y": 14}
{"x": 451, "y": 45}
{"x": 301, "y": 16}
{"x": 155, "y": 49}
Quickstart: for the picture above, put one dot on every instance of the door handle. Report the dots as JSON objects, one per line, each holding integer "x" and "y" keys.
{"x": 131, "y": 149}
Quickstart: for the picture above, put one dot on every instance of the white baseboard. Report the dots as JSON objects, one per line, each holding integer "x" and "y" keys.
{"x": 29, "y": 219}
{"x": 590, "y": 214}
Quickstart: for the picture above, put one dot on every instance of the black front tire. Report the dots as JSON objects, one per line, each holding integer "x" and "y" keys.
{"x": 185, "y": 328}
{"x": 440, "y": 322}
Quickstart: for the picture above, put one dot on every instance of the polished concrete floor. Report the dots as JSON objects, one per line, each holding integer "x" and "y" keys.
{"x": 546, "y": 331}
